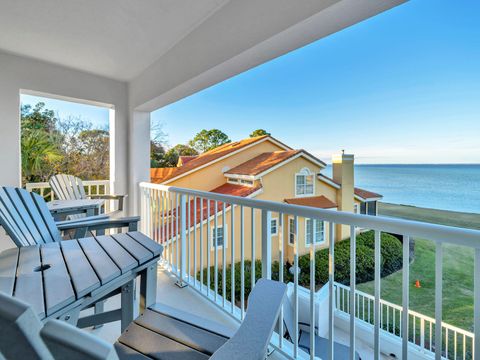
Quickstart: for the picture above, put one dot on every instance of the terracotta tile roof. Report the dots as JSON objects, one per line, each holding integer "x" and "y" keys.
{"x": 262, "y": 162}
{"x": 202, "y": 208}
{"x": 161, "y": 176}
{"x": 313, "y": 201}
{"x": 365, "y": 194}
{"x": 182, "y": 160}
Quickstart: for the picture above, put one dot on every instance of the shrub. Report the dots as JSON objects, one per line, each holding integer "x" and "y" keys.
{"x": 391, "y": 257}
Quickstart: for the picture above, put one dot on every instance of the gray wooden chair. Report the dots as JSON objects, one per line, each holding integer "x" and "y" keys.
{"x": 27, "y": 220}
{"x": 340, "y": 351}
{"x": 69, "y": 187}
{"x": 152, "y": 335}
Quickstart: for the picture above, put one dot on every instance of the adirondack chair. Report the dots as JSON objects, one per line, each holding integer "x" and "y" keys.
{"x": 69, "y": 187}
{"x": 27, "y": 220}
{"x": 152, "y": 335}
{"x": 321, "y": 344}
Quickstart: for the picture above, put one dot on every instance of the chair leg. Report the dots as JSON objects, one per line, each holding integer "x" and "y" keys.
{"x": 127, "y": 304}
{"x": 99, "y": 308}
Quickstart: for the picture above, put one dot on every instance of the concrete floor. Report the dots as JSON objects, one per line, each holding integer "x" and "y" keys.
{"x": 188, "y": 300}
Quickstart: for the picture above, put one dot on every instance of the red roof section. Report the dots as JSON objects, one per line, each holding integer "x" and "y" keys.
{"x": 203, "y": 210}
{"x": 182, "y": 160}
{"x": 262, "y": 162}
{"x": 365, "y": 194}
{"x": 313, "y": 201}
{"x": 160, "y": 175}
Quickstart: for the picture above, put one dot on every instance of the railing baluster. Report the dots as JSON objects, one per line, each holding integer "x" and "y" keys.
{"x": 232, "y": 257}
{"x": 266, "y": 244}
{"x": 312, "y": 293}
{"x": 195, "y": 218}
{"x": 405, "y": 286}
{"x": 376, "y": 316}
{"x": 242, "y": 262}
{"x": 295, "y": 290}
{"x": 352, "y": 290}
{"x": 215, "y": 250}
{"x": 281, "y": 265}
{"x": 201, "y": 243}
{"x": 438, "y": 300}
{"x": 252, "y": 270}
{"x": 188, "y": 234}
{"x": 476, "y": 307}
{"x": 183, "y": 238}
{"x": 209, "y": 247}
{"x": 331, "y": 281}
{"x": 177, "y": 232}
{"x": 224, "y": 257}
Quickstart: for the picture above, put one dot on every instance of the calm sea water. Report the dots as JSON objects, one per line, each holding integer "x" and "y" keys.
{"x": 447, "y": 187}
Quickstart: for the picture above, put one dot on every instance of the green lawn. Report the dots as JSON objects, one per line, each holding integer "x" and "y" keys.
{"x": 457, "y": 284}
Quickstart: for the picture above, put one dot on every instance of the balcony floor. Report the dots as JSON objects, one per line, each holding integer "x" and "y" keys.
{"x": 189, "y": 300}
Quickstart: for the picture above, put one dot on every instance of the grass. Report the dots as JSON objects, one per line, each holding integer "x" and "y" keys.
{"x": 457, "y": 268}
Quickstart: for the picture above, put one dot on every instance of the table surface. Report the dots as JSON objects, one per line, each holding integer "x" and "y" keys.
{"x": 67, "y": 205}
{"x": 53, "y": 276}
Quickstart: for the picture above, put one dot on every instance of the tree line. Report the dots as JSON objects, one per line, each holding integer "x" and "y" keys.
{"x": 203, "y": 141}
{"x": 50, "y": 145}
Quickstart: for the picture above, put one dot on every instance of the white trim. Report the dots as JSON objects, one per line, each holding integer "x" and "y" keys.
{"x": 276, "y": 226}
{"x": 305, "y": 232}
{"x": 276, "y": 142}
{"x": 239, "y": 177}
{"x": 305, "y": 172}
{"x": 288, "y": 231}
{"x": 328, "y": 181}
{"x": 368, "y": 199}
{"x": 239, "y": 182}
{"x": 225, "y": 237}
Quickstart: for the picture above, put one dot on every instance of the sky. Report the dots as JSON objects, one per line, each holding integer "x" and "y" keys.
{"x": 402, "y": 87}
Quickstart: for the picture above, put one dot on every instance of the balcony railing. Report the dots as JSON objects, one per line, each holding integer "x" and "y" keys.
{"x": 457, "y": 343}
{"x": 92, "y": 187}
{"x": 179, "y": 218}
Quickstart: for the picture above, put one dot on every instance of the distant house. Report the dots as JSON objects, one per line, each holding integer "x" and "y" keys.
{"x": 267, "y": 169}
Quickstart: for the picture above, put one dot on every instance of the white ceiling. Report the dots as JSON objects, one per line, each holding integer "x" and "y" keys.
{"x": 115, "y": 38}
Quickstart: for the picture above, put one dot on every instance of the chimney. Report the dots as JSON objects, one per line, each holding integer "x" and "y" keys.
{"x": 343, "y": 174}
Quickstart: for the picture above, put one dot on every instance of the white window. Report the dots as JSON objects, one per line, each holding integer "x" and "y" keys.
{"x": 304, "y": 183}
{"x": 314, "y": 231}
{"x": 274, "y": 226}
{"x": 292, "y": 231}
{"x": 219, "y": 236}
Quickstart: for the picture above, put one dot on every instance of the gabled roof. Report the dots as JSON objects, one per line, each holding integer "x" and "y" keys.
{"x": 182, "y": 160}
{"x": 262, "y": 163}
{"x": 313, "y": 201}
{"x": 208, "y": 157}
{"x": 236, "y": 190}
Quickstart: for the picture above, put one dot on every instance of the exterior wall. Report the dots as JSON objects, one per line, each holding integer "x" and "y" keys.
{"x": 23, "y": 74}
{"x": 212, "y": 176}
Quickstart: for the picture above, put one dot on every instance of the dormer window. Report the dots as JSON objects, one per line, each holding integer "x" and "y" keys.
{"x": 304, "y": 183}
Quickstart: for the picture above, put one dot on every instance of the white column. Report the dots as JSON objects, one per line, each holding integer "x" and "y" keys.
{"x": 138, "y": 157}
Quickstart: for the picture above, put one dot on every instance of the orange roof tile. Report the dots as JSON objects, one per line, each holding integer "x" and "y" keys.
{"x": 182, "y": 160}
{"x": 202, "y": 159}
{"x": 262, "y": 162}
{"x": 235, "y": 190}
{"x": 365, "y": 194}
{"x": 313, "y": 201}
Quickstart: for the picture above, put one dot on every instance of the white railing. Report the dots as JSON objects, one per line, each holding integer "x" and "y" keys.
{"x": 457, "y": 342}
{"x": 197, "y": 261}
{"x": 92, "y": 187}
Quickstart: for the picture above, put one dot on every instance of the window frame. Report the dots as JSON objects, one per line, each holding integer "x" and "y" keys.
{"x": 276, "y": 226}
{"x": 315, "y": 232}
{"x": 291, "y": 218}
{"x": 225, "y": 237}
{"x": 305, "y": 172}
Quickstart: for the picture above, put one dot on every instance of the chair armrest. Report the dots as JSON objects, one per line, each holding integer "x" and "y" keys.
{"x": 81, "y": 220}
{"x": 120, "y": 198}
{"x": 100, "y": 224}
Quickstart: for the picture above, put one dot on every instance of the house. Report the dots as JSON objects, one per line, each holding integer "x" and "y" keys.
{"x": 264, "y": 168}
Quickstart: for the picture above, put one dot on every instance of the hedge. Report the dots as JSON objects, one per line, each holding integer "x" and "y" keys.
{"x": 391, "y": 257}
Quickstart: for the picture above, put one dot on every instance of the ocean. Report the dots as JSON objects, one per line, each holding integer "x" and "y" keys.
{"x": 446, "y": 187}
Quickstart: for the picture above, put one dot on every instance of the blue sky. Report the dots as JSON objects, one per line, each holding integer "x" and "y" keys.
{"x": 402, "y": 87}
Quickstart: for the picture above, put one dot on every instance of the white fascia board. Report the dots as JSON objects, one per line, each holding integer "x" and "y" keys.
{"x": 328, "y": 181}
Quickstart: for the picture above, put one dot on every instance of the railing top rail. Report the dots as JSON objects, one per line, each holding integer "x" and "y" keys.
{"x": 434, "y": 232}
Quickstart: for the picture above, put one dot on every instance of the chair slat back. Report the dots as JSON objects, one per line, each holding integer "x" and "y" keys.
{"x": 26, "y": 218}
{"x": 20, "y": 331}
{"x": 253, "y": 336}
{"x": 67, "y": 187}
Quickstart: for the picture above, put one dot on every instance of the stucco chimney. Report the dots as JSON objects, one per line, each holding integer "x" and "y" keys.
{"x": 343, "y": 174}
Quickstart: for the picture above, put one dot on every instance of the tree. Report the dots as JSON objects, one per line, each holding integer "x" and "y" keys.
{"x": 173, "y": 154}
{"x": 157, "y": 154}
{"x": 259, "y": 132}
{"x": 207, "y": 140}
{"x": 37, "y": 118}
